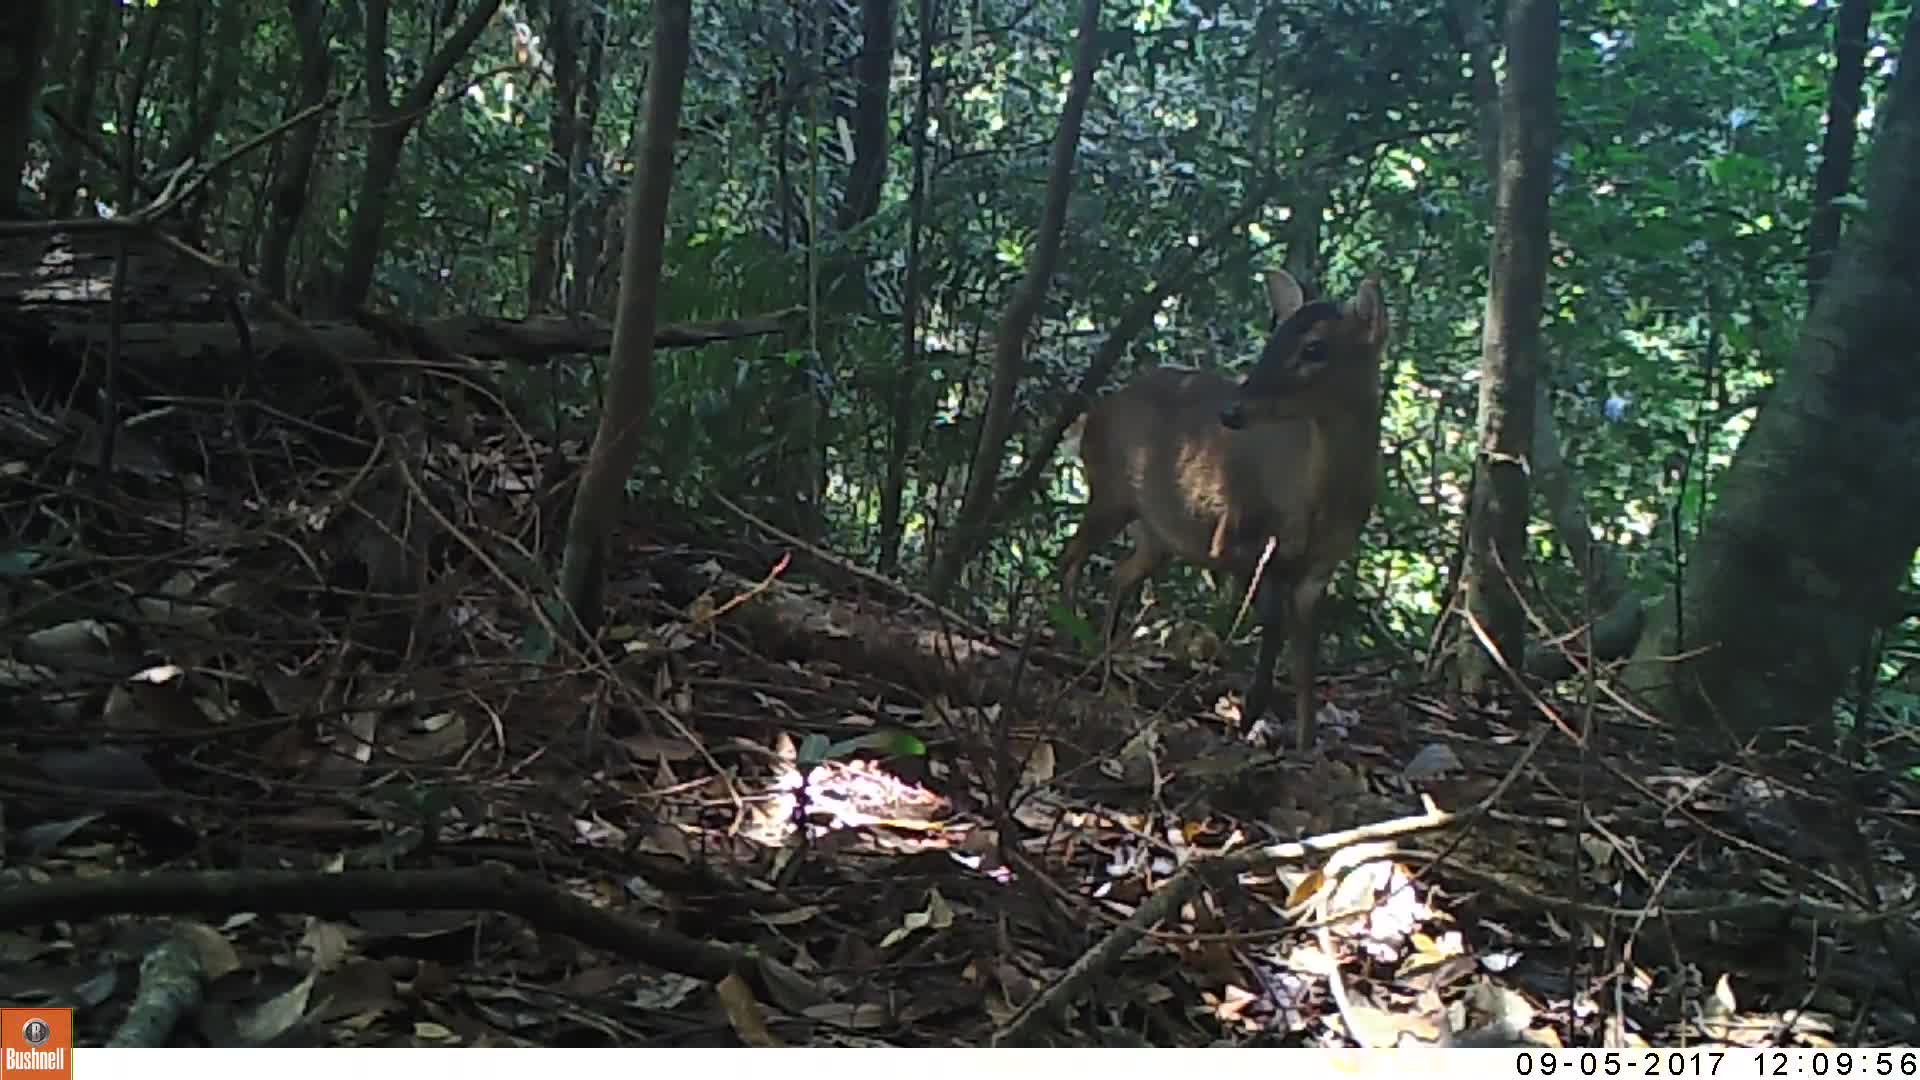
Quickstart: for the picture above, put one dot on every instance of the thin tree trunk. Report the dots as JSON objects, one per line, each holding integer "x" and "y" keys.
{"x": 613, "y": 230}
{"x": 582, "y": 251}
{"x": 900, "y": 419}
{"x": 872, "y": 75}
{"x": 845, "y": 275}
{"x": 1009, "y": 347}
{"x": 391, "y": 123}
{"x": 556, "y": 176}
{"x": 1558, "y": 486}
{"x": 624, "y": 415}
{"x": 303, "y": 143}
{"x": 1835, "y": 171}
{"x": 1517, "y": 275}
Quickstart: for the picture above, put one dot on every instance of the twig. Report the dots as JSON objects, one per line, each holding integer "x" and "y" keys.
{"x": 173, "y": 194}
{"x": 861, "y": 572}
{"x": 765, "y": 584}
{"x": 1639, "y": 786}
{"x": 1177, "y": 890}
{"x": 490, "y": 887}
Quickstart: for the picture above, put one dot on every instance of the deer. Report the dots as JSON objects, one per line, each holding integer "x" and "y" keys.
{"x": 1211, "y": 471}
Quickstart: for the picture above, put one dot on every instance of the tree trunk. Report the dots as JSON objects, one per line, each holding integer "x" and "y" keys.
{"x": 556, "y": 176}
{"x": 1816, "y": 523}
{"x": 629, "y": 400}
{"x": 369, "y": 219}
{"x": 866, "y": 177}
{"x": 391, "y": 124}
{"x": 1831, "y": 177}
{"x": 613, "y": 228}
{"x": 31, "y": 27}
{"x": 583, "y": 252}
{"x": 799, "y": 480}
{"x": 1619, "y": 613}
{"x": 1010, "y": 341}
{"x": 900, "y": 418}
{"x": 872, "y": 73}
{"x": 1517, "y": 274}
{"x": 303, "y": 144}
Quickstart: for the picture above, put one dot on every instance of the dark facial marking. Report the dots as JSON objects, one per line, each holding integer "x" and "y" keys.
{"x": 1271, "y": 373}
{"x": 1308, "y": 316}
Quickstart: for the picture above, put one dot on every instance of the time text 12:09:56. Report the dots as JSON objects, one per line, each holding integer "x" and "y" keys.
{"x": 1679, "y": 1064}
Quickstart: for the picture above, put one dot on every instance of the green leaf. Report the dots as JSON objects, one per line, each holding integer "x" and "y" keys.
{"x": 814, "y": 749}
{"x": 891, "y": 742}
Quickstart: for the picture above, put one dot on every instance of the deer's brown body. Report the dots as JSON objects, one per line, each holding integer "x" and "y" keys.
{"x": 1206, "y": 469}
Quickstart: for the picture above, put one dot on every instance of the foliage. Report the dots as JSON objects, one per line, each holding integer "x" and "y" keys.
{"x": 1687, "y": 142}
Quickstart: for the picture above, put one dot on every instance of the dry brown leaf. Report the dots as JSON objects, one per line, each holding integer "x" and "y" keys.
{"x": 1717, "y": 1012}
{"x": 593, "y": 981}
{"x": 217, "y": 957}
{"x": 1309, "y": 958}
{"x": 1040, "y": 765}
{"x": 1230, "y": 1005}
{"x": 1014, "y": 982}
{"x": 744, "y": 1012}
{"x": 702, "y": 608}
{"x": 787, "y": 987}
{"x": 428, "y": 1031}
{"x": 1379, "y": 1027}
{"x": 1305, "y": 890}
{"x": 440, "y": 737}
{"x": 666, "y": 839}
{"x": 345, "y": 753}
{"x": 277, "y": 1015}
{"x": 937, "y": 915}
{"x": 1549, "y": 1036}
{"x": 663, "y": 991}
{"x": 794, "y": 917}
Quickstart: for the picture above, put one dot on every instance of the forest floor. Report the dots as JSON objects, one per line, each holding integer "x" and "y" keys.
{"x": 280, "y": 717}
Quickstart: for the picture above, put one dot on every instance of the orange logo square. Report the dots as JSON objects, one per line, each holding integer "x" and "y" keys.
{"x": 36, "y": 1044}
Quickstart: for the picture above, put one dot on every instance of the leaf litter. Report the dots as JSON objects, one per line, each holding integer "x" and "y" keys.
{"x": 784, "y": 753}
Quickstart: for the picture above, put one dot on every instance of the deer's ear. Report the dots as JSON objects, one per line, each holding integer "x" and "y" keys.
{"x": 1284, "y": 295}
{"x": 1371, "y": 309}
